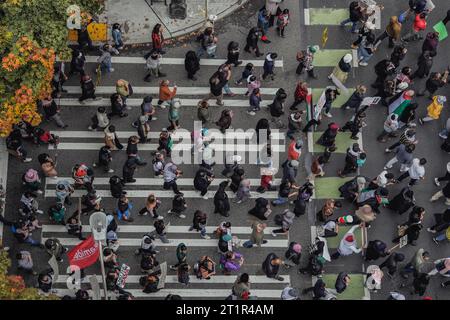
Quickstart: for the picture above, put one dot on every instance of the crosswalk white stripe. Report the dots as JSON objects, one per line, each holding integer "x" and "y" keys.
{"x": 155, "y": 135}
{"x": 307, "y": 17}
{"x": 155, "y": 90}
{"x": 186, "y": 293}
{"x": 130, "y": 242}
{"x": 153, "y": 181}
{"x": 132, "y": 279}
{"x": 180, "y": 61}
{"x": 69, "y": 102}
{"x": 226, "y": 147}
{"x": 142, "y": 229}
{"x": 164, "y": 194}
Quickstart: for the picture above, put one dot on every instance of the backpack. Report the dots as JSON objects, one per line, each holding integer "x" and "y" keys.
{"x": 301, "y": 55}
{"x": 278, "y": 219}
{"x": 316, "y": 265}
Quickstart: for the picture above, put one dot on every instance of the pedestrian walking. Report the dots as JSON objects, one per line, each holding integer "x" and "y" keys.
{"x": 52, "y": 110}
{"x": 224, "y": 121}
{"x": 104, "y": 159}
{"x": 261, "y": 210}
{"x": 208, "y": 43}
{"x": 151, "y": 206}
{"x": 305, "y": 60}
{"x": 165, "y": 94}
{"x": 403, "y": 155}
{"x": 77, "y": 63}
{"x": 276, "y": 108}
{"x": 221, "y": 201}
{"x": 199, "y": 224}
{"x": 355, "y": 16}
{"x": 153, "y": 65}
{"x": 116, "y": 33}
{"x": 165, "y": 142}
{"x": 252, "y": 83}
{"x": 178, "y": 206}
{"x": 202, "y": 180}
{"x": 191, "y": 64}
{"x": 271, "y": 266}
{"x": 347, "y": 245}
{"x": 431, "y": 43}
{"x": 124, "y": 207}
{"x": 233, "y": 54}
{"x": 100, "y": 120}
{"x": 354, "y": 102}
{"x": 118, "y": 106}
{"x": 328, "y": 138}
{"x": 287, "y": 219}
{"x": 283, "y": 20}
{"x": 252, "y": 41}
{"x": 328, "y": 209}
{"x": 340, "y": 72}
{"x": 403, "y": 201}
{"x": 257, "y": 236}
{"x": 157, "y": 39}
{"x": 128, "y": 170}
{"x": 393, "y": 32}
{"x": 25, "y": 262}
{"x": 300, "y": 94}
{"x": 264, "y": 24}
{"x": 111, "y": 138}
{"x": 417, "y": 264}
{"x": 170, "y": 174}
{"x": 161, "y": 229}
{"x": 87, "y": 89}
{"x": 433, "y": 83}
{"x": 419, "y": 25}
{"x": 181, "y": 254}
{"x": 424, "y": 65}
{"x": 416, "y": 172}
{"x": 105, "y": 60}
{"x": 254, "y": 102}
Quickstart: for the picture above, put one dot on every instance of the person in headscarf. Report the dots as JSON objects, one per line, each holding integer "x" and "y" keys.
{"x": 340, "y": 72}
{"x": 221, "y": 202}
{"x": 393, "y": 31}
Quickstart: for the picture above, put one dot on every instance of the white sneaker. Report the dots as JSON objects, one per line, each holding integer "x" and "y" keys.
{"x": 364, "y": 64}
{"x": 128, "y": 108}
{"x": 90, "y": 128}
{"x": 27, "y": 160}
{"x": 110, "y": 170}
{"x": 40, "y": 211}
{"x": 39, "y": 192}
{"x": 431, "y": 230}
{"x": 206, "y": 237}
{"x": 145, "y": 213}
{"x": 94, "y": 165}
{"x": 98, "y": 98}
{"x": 252, "y": 113}
{"x": 111, "y": 70}
{"x": 436, "y": 182}
{"x": 274, "y": 234}
{"x": 387, "y": 150}
{"x": 161, "y": 106}
{"x": 442, "y": 136}
{"x": 154, "y": 118}
{"x": 181, "y": 216}
{"x": 205, "y": 197}
{"x": 327, "y": 115}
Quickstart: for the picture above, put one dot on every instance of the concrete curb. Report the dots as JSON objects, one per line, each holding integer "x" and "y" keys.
{"x": 4, "y": 155}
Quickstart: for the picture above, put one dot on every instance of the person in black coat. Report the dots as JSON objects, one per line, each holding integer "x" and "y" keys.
{"x": 342, "y": 281}
{"x": 276, "y": 107}
{"x": 87, "y": 89}
{"x": 431, "y": 43}
{"x": 128, "y": 170}
{"x": 376, "y": 249}
{"x": 271, "y": 266}
{"x": 420, "y": 283}
{"x": 403, "y": 201}
{"x": 202, "y": 180}
{"x": 391, "y": 262}
{"x": 77, "y": 63}
{"x": 413, "y": 233}
{"x": 104, "y": 159}
{"x": 252, "y": 41}
{"x": 233, "y": 54}
{"x": 355, "y": 99}
{"x": 261, "y": 126}
{"x": 383, "y": 69}
{"x": 117, "y": 106}
{"x": 178, "y": 205}
{"x": 304, "y": 195}
{"x": 221, "y": 202}
{"x": 328, "y": 138}
{"x": 224, "y": 121}
{"x": 424, "y": 65}
{"x": 236, "y": 178}
{"x": 398, "y": 54}
{"x": 261, "y": 210}
{"x": 191, "y": 64}
{"x": 442, "y": 222}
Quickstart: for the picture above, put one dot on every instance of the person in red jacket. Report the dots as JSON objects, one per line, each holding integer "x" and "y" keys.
{"x": 301, "y": 92}
{"x": 295, "y": 150}
{"x": 157, "y": 40}
{"x": 419, "y": 25}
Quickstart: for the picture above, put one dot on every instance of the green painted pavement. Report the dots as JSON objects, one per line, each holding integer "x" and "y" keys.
{"x": 354, "y": 291}
{"x": 333, "y": 242}
{"x": 340, "y": 100}
{"x": 329, "y": 57}
{"x": 342, "y": 142}
{"x": 327, "y": 16}
{"x": 327, "y": 187}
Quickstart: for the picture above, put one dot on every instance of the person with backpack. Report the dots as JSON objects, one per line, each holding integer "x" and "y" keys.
{"x": 271, "y": 266}
{"x": 116, "y": 185}
{"x": 31, "y": 181}
{"x": 170, "y": 175}
{"x": 305, "y": 194}
{"x": 147, "y": 245}
{"x": 241, "y": 287}
{"x": 158, "y": 165}
{"x": 199, "y": 224}
{"x": 56, "y": 213}
{"x": 105, "y": 60}
{"x": 165, "y": 142}
{"x": 283, "y": 20}
{"x": 54, "y": 248}
{"x": 104, "y": 159}
{"x": 100, "y": 120}
{"x": 151, "y": 205}
{"x": 128, "y": 170}
{"x": 205, "y": 268}
{"x": 132, "y": 150}
{"x": 286, "y": 220}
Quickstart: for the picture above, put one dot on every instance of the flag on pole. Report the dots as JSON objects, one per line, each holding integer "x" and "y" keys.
{"x": 84, "y": 254}
{"x": 441, "y": 29}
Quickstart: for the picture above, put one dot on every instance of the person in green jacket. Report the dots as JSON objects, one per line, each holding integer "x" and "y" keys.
{"x": 57, "y": 212}
{"x": 181, "y": 256}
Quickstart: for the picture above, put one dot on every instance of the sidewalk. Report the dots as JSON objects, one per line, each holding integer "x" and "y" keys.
{"x": 138, "y": 18}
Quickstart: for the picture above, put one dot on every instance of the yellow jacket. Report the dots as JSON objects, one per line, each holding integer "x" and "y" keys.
{"x": 435, "y": 108}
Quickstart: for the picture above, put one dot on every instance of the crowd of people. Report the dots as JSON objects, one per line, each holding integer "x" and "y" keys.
{"x": 369, "y": 195}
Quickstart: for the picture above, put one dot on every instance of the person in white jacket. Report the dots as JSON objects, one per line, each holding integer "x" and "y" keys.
{"x": 348, "y": 244}
{"x": 416, "y": 172}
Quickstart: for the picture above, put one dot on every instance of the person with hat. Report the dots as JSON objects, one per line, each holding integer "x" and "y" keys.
{"x": 328, "y": 138}
{"x": 221, "y": 201}
{"x": 63, "y": 192}
{"x": 366, "y": 214}
{"x": 340, "y": 72}
{"x": 434, "y": 109}
{"x": 328, "y": 209}
{"x": 350, "y": 160}
{"x": 348, "y": 244}
{"x": 393, "y": 31}
{"x": 305, "y": 60}
{"x": 31, "y": 181}
{"x": 293, "y": 253}
{"x": 153, "y": 64}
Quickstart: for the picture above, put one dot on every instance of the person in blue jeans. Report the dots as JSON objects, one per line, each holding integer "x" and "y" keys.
{"x": 444, "y": 236}
{"x": 284, "y": 193}
{"x": 117, "y": 36}
{"x": 124, "y": 209}
{"x": 23, "y": 235}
